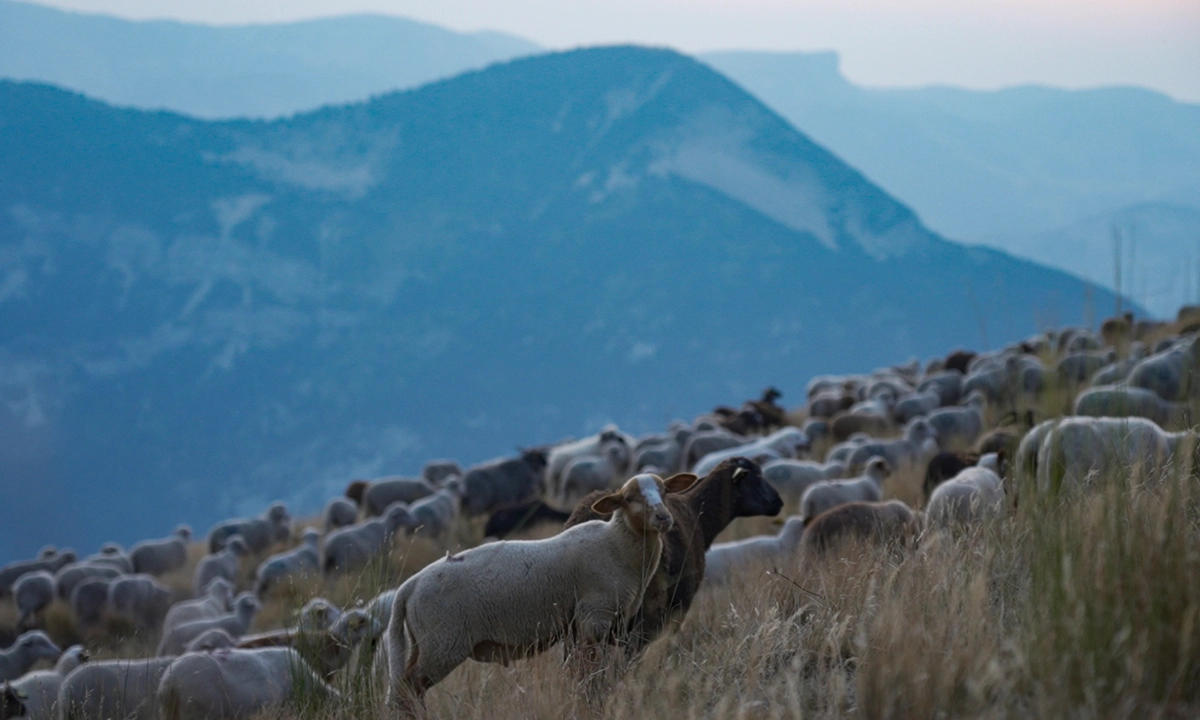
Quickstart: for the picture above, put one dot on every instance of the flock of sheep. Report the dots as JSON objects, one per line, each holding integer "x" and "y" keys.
{"x": 639, "y": 516}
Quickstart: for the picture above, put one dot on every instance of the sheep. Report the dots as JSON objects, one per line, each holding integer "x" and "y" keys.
{"x": 1171, "y": 373}
{"x": 111, "y": 689}
{"x": 237, "y": 684}
{"x": 841, "y": 452}
{"x": 356, "y": 490}
{"x": 947, "y": 384}
{"x": 1079, "y": 448}
{"x": 326, "y": 649}
{"x": 384, "y": 492}
{"x": 958, "y": 360}
{"x": 33, "y": 593}
{"x": 561, "y": 456}
{"x": 39, "y": 689}
{"x": 245, "y": 607}
{"x": 792, "y": 477}
{"x": 890, "y": 522}
{"x": 357, "y": 545}
{"x": 587, "y": 473}
{"x": 723, "y": 560}
{"x": 338, "y": 513}
{"x": 72, "y": 575}
{"x": 258, "y": 534}
{"x": 216, "y": 601}
{"x": 1124, "y": 401}
{"x": 486, "y": 603}
{"x": 296, "y": 562}
{"x": 918, "y": 444}
{"x": 852, "y": 423}
{"x": 89, "y": 600}
{"x": 830, "y": 402}
{"x": 112, "y": 555}
{"x": 735, "y": 488}
{"x": 786, "y": 442}
{"x": 224, "y": 564}
{"x": 210, "y": 640}
{"x": 958, "y": 427}
{"x": 317, "y": 614}
{"x": 504, "y": 482}
{"x": 30, "y": 647}
{"x": 827, "y": 494}
{"x": 509, "y": 520}
{"x": 433, "y": 516}
{"x": 970, "y": 496}
{"x": 665, "y": 453}
{"x": 50, "y": 563}
{"x": 140, "y": 599}
{"x": 1079, "y": 367}
{"x": 437, "y": 471}
{"x": 917, "y": 405}
{"x": 704, "y": 442}
{"x": 944, "y": 466}
{"x": 159, "y": 557}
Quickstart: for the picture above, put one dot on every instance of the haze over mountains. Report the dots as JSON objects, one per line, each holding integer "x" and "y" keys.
{"x": 1014, "y": 169}
{"x": 204, "y": 316}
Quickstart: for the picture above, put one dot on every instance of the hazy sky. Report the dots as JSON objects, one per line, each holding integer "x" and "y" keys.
{"x": 974, "y": 43}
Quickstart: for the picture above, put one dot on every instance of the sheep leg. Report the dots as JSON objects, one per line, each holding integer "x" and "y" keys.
{"x": 588, "y": 654}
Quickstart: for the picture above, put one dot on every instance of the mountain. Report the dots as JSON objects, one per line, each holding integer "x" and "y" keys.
{"x": 201, "y": 317}
{"x": 241, "y": 71}
{"x": 1006, "y": 168}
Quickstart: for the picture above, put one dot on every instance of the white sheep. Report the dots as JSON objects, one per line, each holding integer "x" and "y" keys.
{"x": 561, "y": 455}
{"x": 275, "y": 525}
{"x": 1124, "y": 401}
{"x": 723, "y": 560}
{"x": 316, "y": 615}
{"x": 511, "y": 598}
{"x": 587, "y": 473}
{"x": 970, "y": 496}
{"x": 433, "y": 516}
{"x": 40, "y": 689}
{"x": 384, "y": 492}
{"x": 302, "y": 560}
{"x": 245, "y": 607}
{"x": 787, "y": 442}
{"x": 913, "y": 450}
{"x": 29, "y": 648}
{"x": 216, "y": 601}
{"x": 112, "y": 689}
{"x": 917, "y": 405}
{"x": 139, "y": 599}
{"x": 112, "y": 555}
{"x": 71, "y": 575}
{"x": 791, "y": 478}
{"x": 50, "y": 560}
{"x": 33, "y": 593}
{"x": 339, "y": 512}
{"x": 828, "y": 494}
{"x": 237, "y": 684}
{"x": 358, "y": 545}
{"x": 1077, "y": 449}
{"x": 210, "y": 640}
{"x": 223, "y": 564}
{"x": 958, "y": 427}
{"x": 159, "y": 557}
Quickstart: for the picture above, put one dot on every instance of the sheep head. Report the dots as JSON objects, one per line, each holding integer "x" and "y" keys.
{"x": 640, "y": 500}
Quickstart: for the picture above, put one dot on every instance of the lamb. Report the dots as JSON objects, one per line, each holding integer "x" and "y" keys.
{"x": 257, "y": 533}
{"x": 224, "y": 564}
{"x": 296, "y": 562}
{"x": 384, "y": 492}
{"x": 484, "y": 603}
{"x": 509, "y": 520}
{"x": 217, "y": 601}
{"x": 792, "y": 477}
{"x": 30, "y": 647}
{"x": 110, "y": 689}
{"x": 159, "y": 557}
{"x": 885, "y": 523}
{"x": 788, "y": 442}
{"x": 562, "y": 455}
{"x": 723, "y": 560}
{"x": 338, "y": 513}
{"x": 958, "y": 427}
{"x": 1124, "y": 401}
{"x": 587, "y": 473}
{"x": 433, "y": 516}
{"x": 140, "y": 599}
{"x": 970, "y": 496}
{"x": 437, "y": 471}
{"x": 33, "y": 593}
{"x": 914, "y": 449}
{"x": 357, "y": 545}
{"x": 735, "y": 488}
{"x": 237, "y": 684}
{"x": 48, "y": 562}
{"x": 245, "y": 607}
{"x": 504, "y": 482}
{"x": 39, "y": 690}
{"x": 70, "y": 576}
{"x": 828, "y": 494}
{"x": 89, "y": 600}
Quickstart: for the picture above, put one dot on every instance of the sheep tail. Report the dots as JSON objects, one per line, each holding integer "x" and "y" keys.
{"x": 400, "y": 663}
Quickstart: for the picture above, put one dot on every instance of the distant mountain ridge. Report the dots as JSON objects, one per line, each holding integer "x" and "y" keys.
{"x": 240, "y": 71}
{"x": 202, "y": 317}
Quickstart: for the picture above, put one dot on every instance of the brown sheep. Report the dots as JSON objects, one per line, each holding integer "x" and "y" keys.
{"x": 735, "y": 488}
{"x": 773, "y": 415}
{"x": 944, "y": 466}
{"x": 1115, "y": 331}
{"x": 847, "y": 424}
{"x": 356, "y": 490}
{"x": 885, "y": 523}
{"x": 959, "y": 360}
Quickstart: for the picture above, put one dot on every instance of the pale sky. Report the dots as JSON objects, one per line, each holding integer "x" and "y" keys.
{"x": 972, "y": 43}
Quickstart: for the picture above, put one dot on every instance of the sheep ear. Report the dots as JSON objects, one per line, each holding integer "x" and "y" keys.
{"x": 609, "y": 504}
{"x": 680, "y": 482}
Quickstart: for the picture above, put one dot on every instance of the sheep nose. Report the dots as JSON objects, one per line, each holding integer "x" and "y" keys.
{"x": 662, "y": 521}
